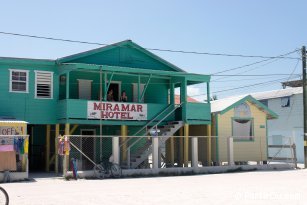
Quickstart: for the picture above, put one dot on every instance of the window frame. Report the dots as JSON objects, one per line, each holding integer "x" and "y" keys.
{"x": 11, "y": 80}
{"x": 252, "y": 138}
{"x": 51, "y": 86}
{"x": 288, "y": 105}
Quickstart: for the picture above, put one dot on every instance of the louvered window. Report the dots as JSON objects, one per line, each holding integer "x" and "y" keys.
{"x": 43, "y": 84}
{"x": 19, "y": 81}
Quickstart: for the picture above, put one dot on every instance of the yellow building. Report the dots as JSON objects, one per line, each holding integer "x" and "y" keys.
{"x": 245, "y": 120}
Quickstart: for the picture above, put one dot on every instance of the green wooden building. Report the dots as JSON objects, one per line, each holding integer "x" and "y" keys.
{"x": 69, "y": 96}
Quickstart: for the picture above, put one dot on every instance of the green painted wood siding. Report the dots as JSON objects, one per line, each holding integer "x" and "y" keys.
{"x": 125, "y": 57}
{"x": 24, "y": 106}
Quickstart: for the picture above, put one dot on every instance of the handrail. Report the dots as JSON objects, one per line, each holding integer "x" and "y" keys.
{"x": 146, "y": 125}
{"x": 176, "y": 107}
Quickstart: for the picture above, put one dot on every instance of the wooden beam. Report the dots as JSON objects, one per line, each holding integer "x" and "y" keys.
{"x": 109, "y": 81}
{"x": 146, "y": 85}
{"x": 172, "y": 151}
{"x": 73, "y": 129}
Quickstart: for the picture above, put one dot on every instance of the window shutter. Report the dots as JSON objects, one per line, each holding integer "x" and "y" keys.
{"x": 44, "y": 84}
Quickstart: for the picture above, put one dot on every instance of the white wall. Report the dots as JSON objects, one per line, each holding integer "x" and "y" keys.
{"x": 289, "y": 122}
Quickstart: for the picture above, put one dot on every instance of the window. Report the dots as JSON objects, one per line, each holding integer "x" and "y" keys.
{"x": 19, "y": 80}
{"x": 285, "y": 102}
{"x": 43, "y": 84}
{"x": 242, "y": 128}
{"x": 265, "y": 102}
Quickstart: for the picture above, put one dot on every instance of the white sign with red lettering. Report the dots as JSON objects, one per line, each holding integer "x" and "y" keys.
{"x": 116, "y": 111}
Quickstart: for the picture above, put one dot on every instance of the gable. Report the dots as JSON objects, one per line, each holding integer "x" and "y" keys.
{"x": 124, "y": 54}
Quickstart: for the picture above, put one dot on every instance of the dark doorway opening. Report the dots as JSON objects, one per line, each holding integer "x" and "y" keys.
{"x": 116, "y": 91}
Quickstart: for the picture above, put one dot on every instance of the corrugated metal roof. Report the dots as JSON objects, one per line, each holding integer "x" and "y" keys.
{"x": 222, "y": 104}
{"x": 277, "y": 93}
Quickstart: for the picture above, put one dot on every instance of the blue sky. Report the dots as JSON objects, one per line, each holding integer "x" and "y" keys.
{"x": 258, "y": 27}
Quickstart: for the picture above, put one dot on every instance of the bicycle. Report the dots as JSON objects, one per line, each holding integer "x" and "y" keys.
{"x": 107, "y": 169}
{"x": 4, "y": 197}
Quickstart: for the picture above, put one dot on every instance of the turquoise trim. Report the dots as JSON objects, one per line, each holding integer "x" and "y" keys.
{"x": 270, "y": 113}
{"x": 253, "y": 129}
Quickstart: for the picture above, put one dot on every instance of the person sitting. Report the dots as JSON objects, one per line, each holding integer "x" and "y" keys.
{"x": 123, "y": 97}
{"x": 110, "y": 96}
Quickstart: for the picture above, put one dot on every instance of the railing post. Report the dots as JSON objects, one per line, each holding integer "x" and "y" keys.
{"x": 230, "y": 151}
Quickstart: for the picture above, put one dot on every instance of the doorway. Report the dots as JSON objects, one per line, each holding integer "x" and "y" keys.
{"x": 88, "y": 148}
{"x": 115, "y": 86}
{"x": 85, "y": 89}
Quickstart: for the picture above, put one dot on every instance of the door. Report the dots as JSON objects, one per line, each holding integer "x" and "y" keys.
{"x": 116, "y": 90}
{"x": 88, "y": 148}
{"x": 85, "y": 89}
{"x": 135, "y": 92}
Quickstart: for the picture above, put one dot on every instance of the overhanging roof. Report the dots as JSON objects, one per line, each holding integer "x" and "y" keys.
{"x": 224, "y": 105}
{"x": 115, "y": 45}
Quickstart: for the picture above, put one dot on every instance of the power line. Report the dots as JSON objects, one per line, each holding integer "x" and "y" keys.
{"x": 257, "y": 62}
{"x": 153, "y": 49}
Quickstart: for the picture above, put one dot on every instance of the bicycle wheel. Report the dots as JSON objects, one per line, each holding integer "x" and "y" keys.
{"x": 116, "y": 170}
{"x": 4, "y": 197}
{"x": 99, "y": 171}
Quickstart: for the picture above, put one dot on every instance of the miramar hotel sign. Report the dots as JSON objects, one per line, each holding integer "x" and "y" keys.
{"x": 116, "y": 111}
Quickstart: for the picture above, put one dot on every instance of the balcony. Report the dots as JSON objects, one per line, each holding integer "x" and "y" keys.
{"x": 76, "y": 110}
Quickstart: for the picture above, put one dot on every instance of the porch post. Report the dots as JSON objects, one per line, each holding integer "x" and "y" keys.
{"x": 194, "y": 153}
{"x": 115, "y": 149}
{"x": 66, "y": 156}
{"x": 67, "y": 85}
{"x": 139, "y": 82}
{"x": 208, "y": 92}
{"x": 57, "y": 133}
{"x": 186, "y": 145}
{"x": 48, "y": 128}
{"x": 181, "y": 147}
{"x": 124, "y": 133}
{"x": 172, "y": 93}
{"x": 172, "y": 151}
{"x": 183, "y": 99}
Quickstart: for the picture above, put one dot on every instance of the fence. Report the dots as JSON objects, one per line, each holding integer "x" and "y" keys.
{"x": 162, "y": 152}
{"x": 282, "y": 149}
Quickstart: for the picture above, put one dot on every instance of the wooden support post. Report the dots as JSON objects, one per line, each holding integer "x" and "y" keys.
{"x": 57, "y": 134}
{"x": 172, "y": 151}
{"x": 181, "y": 147}
{"x": 209, "y": 158}
{"x": 186, "y": 145}
{"x": 66, "y": 157}
{"x": 48, "y": 128}
{"x": 124, "y": 133}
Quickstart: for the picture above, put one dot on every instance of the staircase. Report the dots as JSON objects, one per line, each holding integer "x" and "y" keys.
{"x": 141, "y": 153}
{"x": 145, "y": 151}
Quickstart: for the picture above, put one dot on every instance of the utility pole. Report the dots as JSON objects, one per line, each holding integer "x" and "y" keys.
{"x": 304, "y": 103}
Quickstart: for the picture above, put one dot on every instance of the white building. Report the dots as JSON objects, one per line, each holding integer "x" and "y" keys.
{"x": 288, "y": 105}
